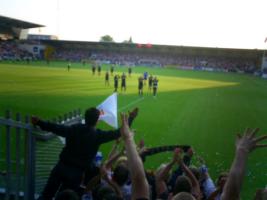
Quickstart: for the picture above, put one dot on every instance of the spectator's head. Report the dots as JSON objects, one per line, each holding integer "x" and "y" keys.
{"x": 183, "y": 196}
{"x": 182, "y": 184}
{"x": 261, "y": 194}
{"x": 196, "y": 172}
{"x": 67, "y": 195}
{"x": 160, "y": 169}
{"x": 91, "y": 116}
{"x": 120, "y": 175}
{"x": 122, "y": 161}
{"x": 106, "y": 193}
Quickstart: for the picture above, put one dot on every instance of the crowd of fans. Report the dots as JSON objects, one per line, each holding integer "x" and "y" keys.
{"x": 71, "y": 55}
{"x": 9, "y": 50}
{"x": 222, "y": 63}
{"x": 123, "y": 176}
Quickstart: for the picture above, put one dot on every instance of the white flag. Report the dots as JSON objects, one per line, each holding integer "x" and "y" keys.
{"x": 108, "y": 111}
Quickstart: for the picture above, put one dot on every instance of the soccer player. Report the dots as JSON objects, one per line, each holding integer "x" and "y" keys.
{"x": 155, "y": 86}
{"x": 123, "y": 82}
{"x": 150, "y": 81}
{"x": 69, "y": 65}
{"x": 93, "y": 69}
{"x": 140, "y": 86}
{"x": 107, "y": 78}
{"x": 112, "y": 70}
{"x": 129, "y": 71}
{"x": 145, "y": 77}
{"x": 99, "y": 69}
{"x": 116, "y": 82}
{"x": 83, "y": 62}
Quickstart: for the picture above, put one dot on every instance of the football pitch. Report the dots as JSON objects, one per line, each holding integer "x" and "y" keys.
{"x": 201, "y": 109}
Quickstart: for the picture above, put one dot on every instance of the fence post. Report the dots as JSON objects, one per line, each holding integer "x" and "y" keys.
{"x": 29, "y": 164}
{"x": 18, "y": 158}
{"x": 8, "y": 157}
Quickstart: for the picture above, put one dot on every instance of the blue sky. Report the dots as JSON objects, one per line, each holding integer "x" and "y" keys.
{"x": 212, "y": 23}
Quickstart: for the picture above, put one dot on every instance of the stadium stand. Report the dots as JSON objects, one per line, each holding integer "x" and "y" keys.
{"x": 209, "y": 59}
{"x": 9, "y": 50}
{"x": 11, "y": 32}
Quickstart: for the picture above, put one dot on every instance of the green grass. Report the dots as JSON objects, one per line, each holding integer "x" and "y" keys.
{"x": 203, "y": 109}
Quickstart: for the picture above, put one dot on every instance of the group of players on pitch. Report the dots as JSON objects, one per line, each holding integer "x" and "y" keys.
{"x": 152, "y": 81}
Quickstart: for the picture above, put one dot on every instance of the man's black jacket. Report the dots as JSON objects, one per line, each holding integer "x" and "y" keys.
{"x": 82, "y": 141}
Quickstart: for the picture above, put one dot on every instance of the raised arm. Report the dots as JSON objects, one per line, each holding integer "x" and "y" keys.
{"x": 161, "y": 185}
{"x": 191, "y": 176}
{"x": 140, "y": 187}
{"x": 112, "y": 159}
{"x": 244, "y": 144}
{"x": 114, "y": 149}
{"x": 113, "y": 184}
{"x": 57, "y": 129}
{"x": 107, "y": 136}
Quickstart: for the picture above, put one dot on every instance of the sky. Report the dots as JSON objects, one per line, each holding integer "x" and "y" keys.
{"x": 204, "y": 23}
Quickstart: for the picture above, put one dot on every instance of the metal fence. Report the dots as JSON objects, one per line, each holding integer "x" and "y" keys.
{"x": 27, "y": 155}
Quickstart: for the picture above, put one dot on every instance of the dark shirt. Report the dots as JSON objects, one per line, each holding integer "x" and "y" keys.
{"x": 150, "y": 80}
{"x": 82, "y": 142}
{"x": 107, "y": 77}
{"x": 140, "y": 83}
{"x": 155, "y": 83}
{"x": 116, "y": 81}
{"x": 123, "y": 80}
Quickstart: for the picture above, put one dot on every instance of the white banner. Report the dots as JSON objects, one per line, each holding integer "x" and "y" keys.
{"x": 108, "y": 111}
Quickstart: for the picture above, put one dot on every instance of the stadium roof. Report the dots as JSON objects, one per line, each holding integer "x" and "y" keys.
{"x": 11, "y": 22}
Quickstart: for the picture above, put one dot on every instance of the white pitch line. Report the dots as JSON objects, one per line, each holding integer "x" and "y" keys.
{"x": 130, "y": 104}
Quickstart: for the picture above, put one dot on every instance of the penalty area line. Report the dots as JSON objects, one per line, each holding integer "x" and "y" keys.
{"x": 130, "y": 104}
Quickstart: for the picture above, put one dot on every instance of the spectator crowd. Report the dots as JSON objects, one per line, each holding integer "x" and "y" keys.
{"x": 160, "y": 60}
{"x": 79, "y": 174}
{"x": 9, "y": 50}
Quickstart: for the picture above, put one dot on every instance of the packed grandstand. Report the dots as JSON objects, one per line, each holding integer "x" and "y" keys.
{"x": 228, "y": 60}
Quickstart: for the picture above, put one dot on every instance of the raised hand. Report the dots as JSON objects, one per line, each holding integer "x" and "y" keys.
{"x": 190, "y": 152}
{"x": 248, "y": 142}
{"x": 141, "y": 144}
{"x": 126, "y": 133}
{"x": 244, "y": 144}
{"x": 133, "y": 113}
{"x": 34, "y": 120}
{"x": 177, "y": 155}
